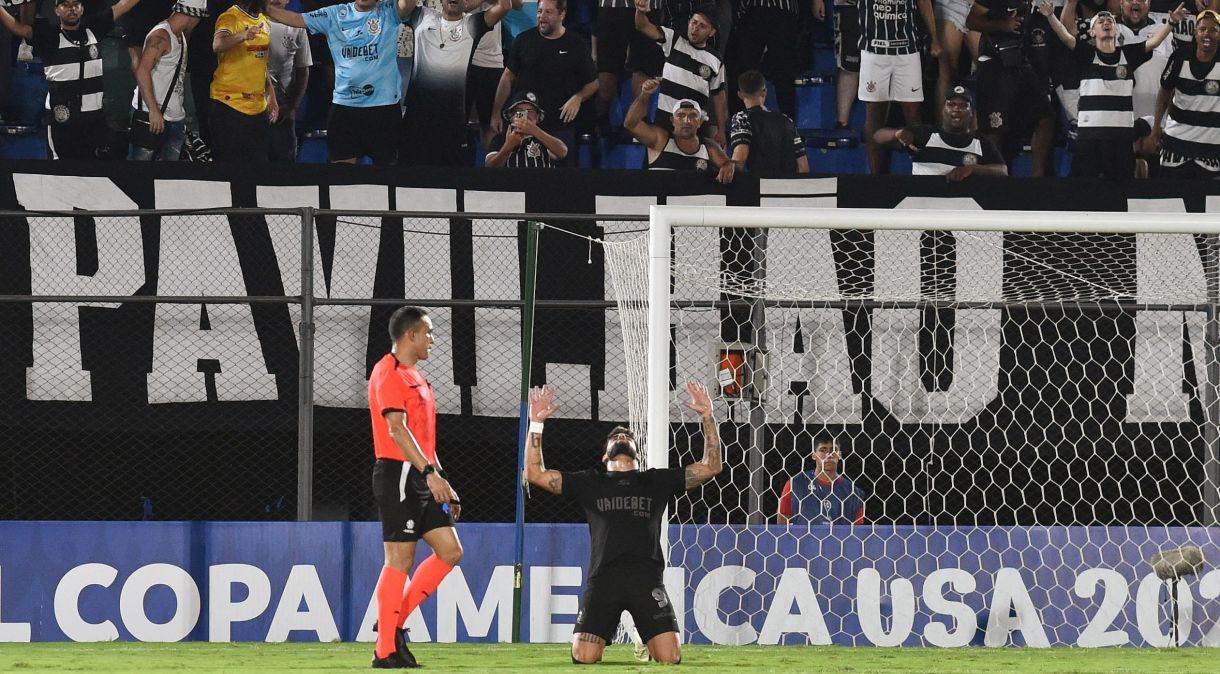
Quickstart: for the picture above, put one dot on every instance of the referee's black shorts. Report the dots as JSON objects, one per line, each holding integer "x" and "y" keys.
{"x": 405, "y": 503}
{"x": 638, "y": 591}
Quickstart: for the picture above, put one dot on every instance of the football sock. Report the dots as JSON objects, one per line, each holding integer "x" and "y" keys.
{"x": 389, "y": 599}
{"x": 427, "y": 577}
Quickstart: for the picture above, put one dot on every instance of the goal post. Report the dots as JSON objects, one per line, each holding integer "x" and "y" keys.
{"x": 983, "y": 372}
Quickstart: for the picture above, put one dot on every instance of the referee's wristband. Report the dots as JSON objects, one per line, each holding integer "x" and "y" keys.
{"x": 536, "y": 427}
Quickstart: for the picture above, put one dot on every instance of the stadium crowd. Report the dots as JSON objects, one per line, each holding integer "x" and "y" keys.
{"x": 1130, "y": 88}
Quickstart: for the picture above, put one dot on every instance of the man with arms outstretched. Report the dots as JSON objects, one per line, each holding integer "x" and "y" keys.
{"x": 363, "y": 39}
{"x": 624, "y": 507}
{"x": 413, "y": 495}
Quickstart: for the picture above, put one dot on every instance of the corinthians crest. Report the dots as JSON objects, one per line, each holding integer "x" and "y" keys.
{"x": 373, "y": 27}
{"x": 701, "y": 164}
{"x": 970, "y": 160}
{"x": 1211, "y": 87}
{"x": 1121, "y": 72}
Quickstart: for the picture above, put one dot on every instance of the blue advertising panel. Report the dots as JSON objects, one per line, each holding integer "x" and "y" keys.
{"x": 862, "y": 585}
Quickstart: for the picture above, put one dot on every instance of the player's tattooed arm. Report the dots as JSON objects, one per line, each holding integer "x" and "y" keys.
{"x": 711, "y": 465}
{"x": 542, "y": 405}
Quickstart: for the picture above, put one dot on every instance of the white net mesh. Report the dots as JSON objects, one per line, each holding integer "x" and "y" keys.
{"x": 1027, "y": 419}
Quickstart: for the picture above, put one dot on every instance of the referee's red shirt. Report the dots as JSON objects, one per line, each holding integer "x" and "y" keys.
{"x": 394, "y": 387}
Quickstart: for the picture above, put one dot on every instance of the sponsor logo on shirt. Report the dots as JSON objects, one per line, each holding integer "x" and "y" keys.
{"x": 368, "y": 50}
{"x": 640, "y": 505}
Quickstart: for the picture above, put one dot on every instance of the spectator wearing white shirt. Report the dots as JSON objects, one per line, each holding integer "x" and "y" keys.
{"x": 288, "y": 65}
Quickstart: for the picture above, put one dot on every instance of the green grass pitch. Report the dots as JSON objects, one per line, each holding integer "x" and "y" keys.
{"x": 257, "y": 657}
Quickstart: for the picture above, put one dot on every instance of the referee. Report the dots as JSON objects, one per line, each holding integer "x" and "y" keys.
{"x": 624, "y": 507}
{"x": 412, "y": 494}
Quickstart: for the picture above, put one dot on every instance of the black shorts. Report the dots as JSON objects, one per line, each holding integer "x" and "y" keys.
{"x": 352, "y": 133}
{"x": 644, "y": 56}
{"x": 847, "y": 37}
{"x": 617, "y": 37}
{"x": 641, "y": 593}
{"x": 405, "y": 519}
{"x": 481, "y": 86}
{"x": 1011, "y": 99}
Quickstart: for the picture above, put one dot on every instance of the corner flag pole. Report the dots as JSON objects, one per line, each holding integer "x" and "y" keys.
{"x": 527, "y": 356}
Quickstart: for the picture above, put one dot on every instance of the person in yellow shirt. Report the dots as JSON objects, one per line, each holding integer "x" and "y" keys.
{"x": 243, "y": 99}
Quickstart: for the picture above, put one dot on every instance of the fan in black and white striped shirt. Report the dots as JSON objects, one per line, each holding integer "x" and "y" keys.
{"x": 1188, "y": 108}
{"x": 72, "y": 58}
{"x": 692, "y": 69}
{"x": 1106, "y": 123}
{"x": 953, "y": 149}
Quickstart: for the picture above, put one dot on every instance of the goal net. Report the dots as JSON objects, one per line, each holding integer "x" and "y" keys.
{"x": 939, "y": 428}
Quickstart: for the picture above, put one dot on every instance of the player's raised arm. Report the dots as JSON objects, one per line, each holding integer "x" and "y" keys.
{"x": 542, "y": 406}
{"x": 701, "y": 403}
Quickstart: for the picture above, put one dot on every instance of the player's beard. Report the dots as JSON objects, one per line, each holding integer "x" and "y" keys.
{"x": 622, "y": 449}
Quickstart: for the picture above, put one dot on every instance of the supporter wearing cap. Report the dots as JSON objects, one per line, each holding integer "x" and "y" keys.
{"x": 554, "y": 63}
{"x": 1188, "y": 107}
{"x": 523, "y": 143}
{"x": 74, "y": 71}
{"x": 952, "y": 148}
{"x": 158, "y": 126}
{"x": 682, "y": 148}
{"x": 1105, "y": 126}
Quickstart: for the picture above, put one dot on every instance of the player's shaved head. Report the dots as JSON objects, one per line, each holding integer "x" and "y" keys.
{"x": 404, "y": 319}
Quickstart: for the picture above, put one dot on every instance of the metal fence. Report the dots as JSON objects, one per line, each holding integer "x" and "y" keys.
{"x": 213, "y": 364}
